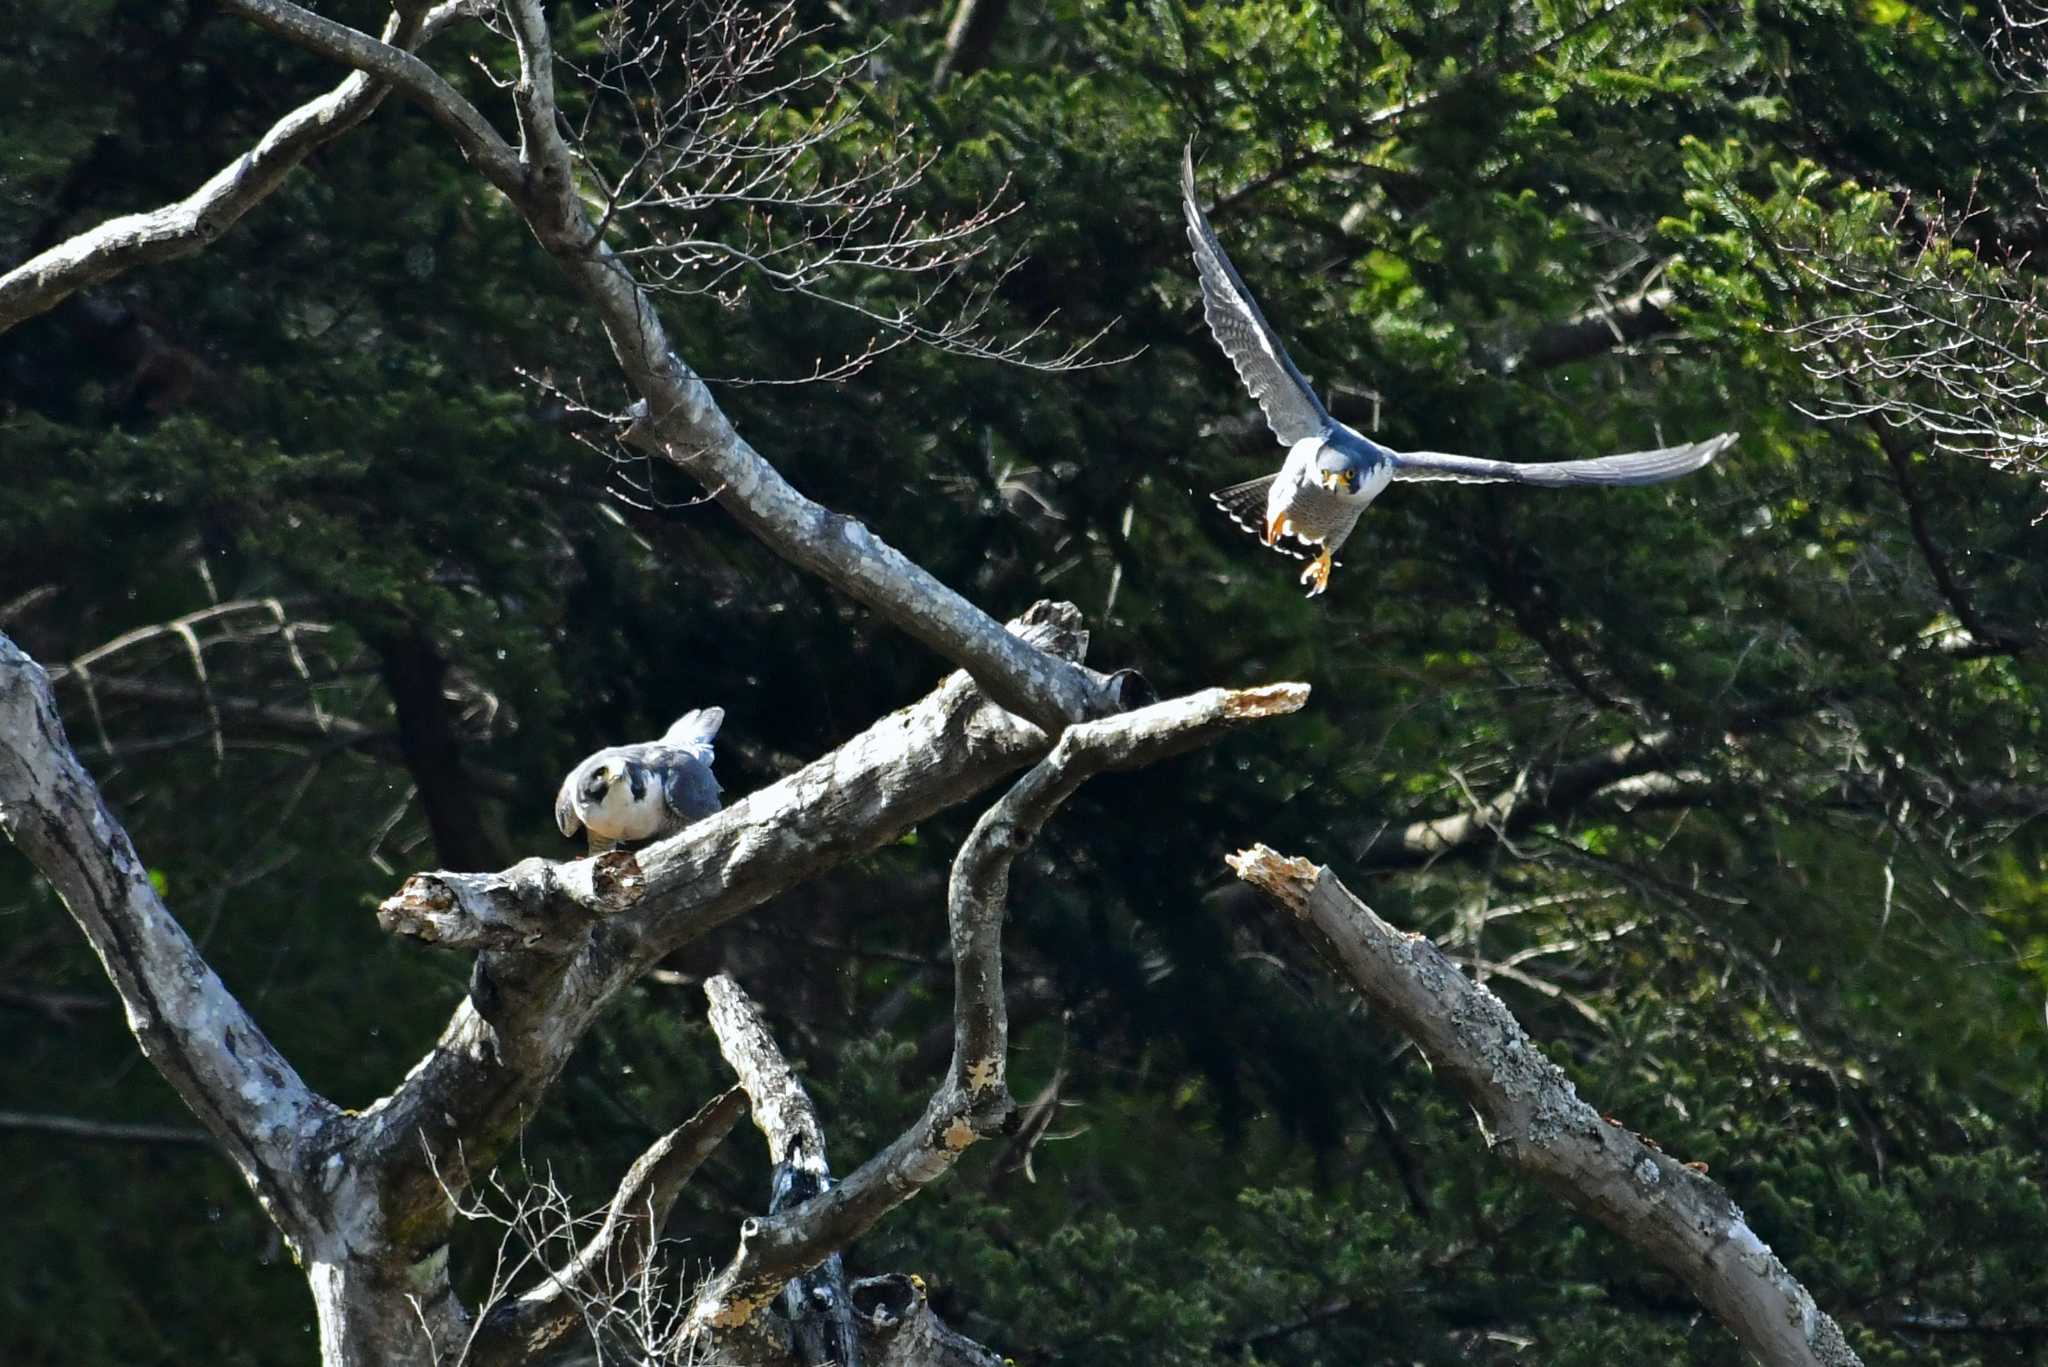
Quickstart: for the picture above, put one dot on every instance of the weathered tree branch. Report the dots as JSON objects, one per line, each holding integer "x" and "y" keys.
{"x": 399, "y": 69}
{"x": 1533, "y": 1118}
{"x": 198, "y": 220}
{"x": 536, "y": 905}
{"x": 973, "y": 1100}
{"x": 189, "y": 1025}
{"x": 503, "y": 1048}
{"x": 518, "y": 1330}
{"x": 815, "y": 1299}
{"x": 677, "y": 418}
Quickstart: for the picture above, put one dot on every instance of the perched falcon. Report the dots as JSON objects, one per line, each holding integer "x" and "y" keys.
{"x": 1333, "y": 471}
{"x": 629, "y": 793}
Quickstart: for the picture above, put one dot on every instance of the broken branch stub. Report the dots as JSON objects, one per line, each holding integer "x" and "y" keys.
{"x": 536, "y": 905}
{"x": 1533, "y": 1118}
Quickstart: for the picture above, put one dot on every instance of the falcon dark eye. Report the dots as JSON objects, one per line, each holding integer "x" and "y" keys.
{"x": 594, "y": 786}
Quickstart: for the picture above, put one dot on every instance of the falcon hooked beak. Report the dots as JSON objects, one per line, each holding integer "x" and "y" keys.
{"x": 1341, "y": 480}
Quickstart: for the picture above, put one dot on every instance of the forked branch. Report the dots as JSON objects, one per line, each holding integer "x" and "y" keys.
{"x": 972, "y": 1101}
{"x": 677, "y": 418}
{"x": 617, "y": 1255}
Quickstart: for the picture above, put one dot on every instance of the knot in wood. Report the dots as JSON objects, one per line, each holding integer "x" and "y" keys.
{"x": 616, "y": 877}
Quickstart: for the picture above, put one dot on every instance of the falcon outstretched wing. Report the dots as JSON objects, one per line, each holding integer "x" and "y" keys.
{"x": 1637, "y": 467}
{"x": 1292, "y": 409}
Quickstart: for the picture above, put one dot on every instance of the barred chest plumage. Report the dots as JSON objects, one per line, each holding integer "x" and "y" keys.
{"x": 1314, "y": 512}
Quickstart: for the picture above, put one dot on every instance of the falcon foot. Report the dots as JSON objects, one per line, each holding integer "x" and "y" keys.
{"x": 1276, "y": 525}
{"x": 1317, "y": 575}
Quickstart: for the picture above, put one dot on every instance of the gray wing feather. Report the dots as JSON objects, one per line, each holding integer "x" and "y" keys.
{"x": 1637, "y": 467}
{"x": 565, "y": 802}
{"x": 1291, "y": 407}
{"x": 691, "y": 791}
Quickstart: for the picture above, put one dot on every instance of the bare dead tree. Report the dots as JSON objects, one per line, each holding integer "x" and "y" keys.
{"x": 721, "y": 168}
{"x": 367, "y": 1201}
{"x": 1942, "y": 342}
{"x": 721, "y": 188}
{"x": 1535, "y": 1120}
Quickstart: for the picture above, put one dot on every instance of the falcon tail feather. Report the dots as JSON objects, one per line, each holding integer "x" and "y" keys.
{"x": 696, "y": 728}
{"x": 1245, "y": 504}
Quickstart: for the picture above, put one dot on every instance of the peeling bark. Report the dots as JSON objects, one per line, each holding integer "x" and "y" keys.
{"x": 369, "y": 1200}
{"x": 535, "y": 905}
{"x": 1533, "y": 1118}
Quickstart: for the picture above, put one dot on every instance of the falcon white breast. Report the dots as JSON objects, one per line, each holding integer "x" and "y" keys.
{"x": 629, "y": 793}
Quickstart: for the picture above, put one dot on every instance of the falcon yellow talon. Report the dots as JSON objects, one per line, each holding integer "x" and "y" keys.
{"x": 1318, "y": 573}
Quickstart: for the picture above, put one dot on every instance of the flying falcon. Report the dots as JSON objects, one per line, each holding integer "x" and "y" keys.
{"x": 628, "y": 793}
{"x": 1333, "y": 471}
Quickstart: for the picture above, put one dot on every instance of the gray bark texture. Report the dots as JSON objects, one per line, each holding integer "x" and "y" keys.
{"x": 368, "y": 1201}
{"x": 815, "y": 1300}
{"x": 972, "y": 1102}
{"x": 1534, "y": 1119}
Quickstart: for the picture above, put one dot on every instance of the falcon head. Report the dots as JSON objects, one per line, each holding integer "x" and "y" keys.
{"x": 598, "y": 782}
{"x": 1339, "y": 471}
{"x": 584, "y": 788}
